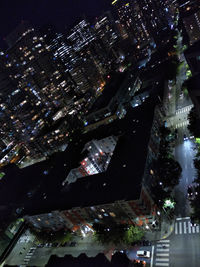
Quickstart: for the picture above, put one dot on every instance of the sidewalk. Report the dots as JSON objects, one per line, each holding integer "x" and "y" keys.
{"x": 166, "y": 228}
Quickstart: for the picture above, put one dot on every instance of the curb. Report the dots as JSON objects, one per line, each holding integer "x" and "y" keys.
{"x": 169, "y": 233}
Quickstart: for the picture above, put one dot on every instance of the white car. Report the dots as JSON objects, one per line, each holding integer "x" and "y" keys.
{"x": 143, "y": 253}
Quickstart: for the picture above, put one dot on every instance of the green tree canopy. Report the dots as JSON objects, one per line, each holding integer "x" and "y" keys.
{"x": 133, "y": 234}
{"x": 61, "y": 236}
{"x": 117, "y": 233}
{"x": 194, "y": 123}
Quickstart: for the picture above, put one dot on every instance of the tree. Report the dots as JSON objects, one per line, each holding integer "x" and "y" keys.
{"x": 194, "y": 123}
{"x": 168, "y": 171}
{"x": 195, "y": 206}
{"x": 171, "y": 68}
{"x": 113, "y": 233}
{"x": 61, "y": 236}
{"x": 133, "y": 234}
{"x": 117, "y": 233}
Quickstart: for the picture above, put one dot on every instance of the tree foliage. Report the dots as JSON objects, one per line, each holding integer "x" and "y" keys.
{"x": 167, "y": 170}
{"x": 194, "y": 123}
{"x": 171, "y": 68}
{"x": 117, "y": 233}
{"x": 61, "y": 236}
{"x": 133, "y": 234}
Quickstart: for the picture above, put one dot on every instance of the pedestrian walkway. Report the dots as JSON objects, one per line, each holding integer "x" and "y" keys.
{"x": 28, "y": 256}
{"x": 183, "y": 226}
{"x": 182, "y": 124}
{"x": 162, "y": 253}
{"x": 184, "y": 110}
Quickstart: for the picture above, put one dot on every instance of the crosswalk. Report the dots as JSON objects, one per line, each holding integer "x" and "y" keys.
{"x": 182, "y": 124}
{"x": 184, "y": 110}
{"x": 162, "y": 253}
{"x": 183, "y": 226}
{"x": 28, "y": 256}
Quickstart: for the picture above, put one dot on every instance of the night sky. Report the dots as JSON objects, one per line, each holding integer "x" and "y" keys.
{"x": 61, "y": 13}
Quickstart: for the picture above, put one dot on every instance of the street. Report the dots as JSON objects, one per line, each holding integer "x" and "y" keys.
{"x": 182, "y": 247}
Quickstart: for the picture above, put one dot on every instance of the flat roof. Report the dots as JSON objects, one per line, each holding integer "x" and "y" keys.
{"x": 123, "y": 178}
{"x": 109, "y": 92}
{"x": 34, "y": 192}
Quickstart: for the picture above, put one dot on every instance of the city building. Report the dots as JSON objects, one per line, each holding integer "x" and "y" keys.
{"x": 192, "y": 55}
{"x": 96, "y": 156}
{"x": 156, "y": 15}
{"x": 80, "y": 35}
{"x": 105, "y": 29}
{"x": 42, "y": 88}
{"x": 132, "y": 22}
{"x": 112, "y": 103}
{"x": 194, "y": 92}
{"x": 122, "y": 193}
{"x": 192, "y": 26}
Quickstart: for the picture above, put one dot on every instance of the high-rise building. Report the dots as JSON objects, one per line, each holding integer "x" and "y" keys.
{"x": 80, "y": 35}
{"x": 192, "y": 26}
{"x": 8, "y": 91}
{"x": 155, "y": 15}
{"x": 59, "y": 45}
{"x": 105, "y": 30}
{"x": 42, "y": 87}
{"x": 132, "y": 21}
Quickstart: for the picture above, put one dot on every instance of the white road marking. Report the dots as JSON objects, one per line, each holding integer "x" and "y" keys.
{"x": 184, "y": 225}
{"x": 161, "y": 264}
{"x": 162, "y": 249}
{"x": 162, "y": 254}
{"x": 176, "y": 229}
{"x": 160, "y": 245}
{"x": 152, "y": 254}
{"x": 164, "y": 241}
{"x": 160, "y": 259}
{"x": 189, "y": 227}
{"x": 180, "y": 228}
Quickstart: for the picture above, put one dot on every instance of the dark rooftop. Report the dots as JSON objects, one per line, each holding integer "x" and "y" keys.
{"x": 118, "y": 260}
{"x": 109, "y": 92}
{"x": 195, "y": 47}
{"x": 123, "y": 178}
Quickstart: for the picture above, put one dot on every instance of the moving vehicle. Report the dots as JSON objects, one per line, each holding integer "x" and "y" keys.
{"x": 192, "y": 192}
{"x": 143, "y": 253}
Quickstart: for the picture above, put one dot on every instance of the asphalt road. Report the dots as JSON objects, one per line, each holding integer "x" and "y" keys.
{"x": 181, "y": 249}
{"x": 185, "y": 247}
